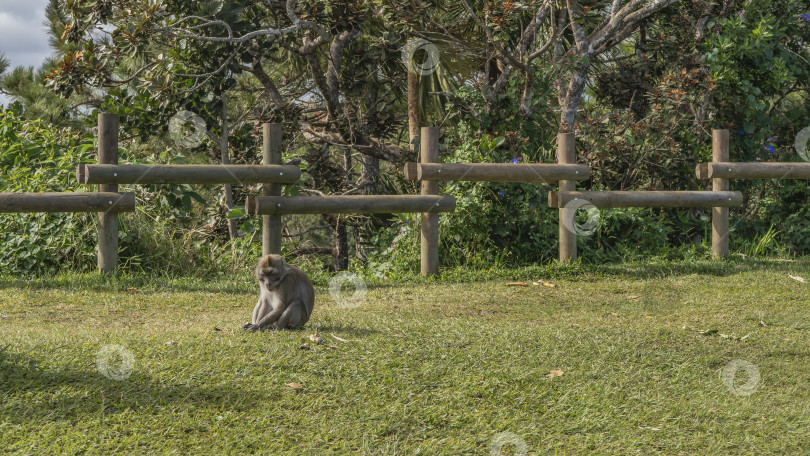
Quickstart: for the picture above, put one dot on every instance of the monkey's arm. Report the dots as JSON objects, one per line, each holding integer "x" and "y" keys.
{"x": 255, "y": 320}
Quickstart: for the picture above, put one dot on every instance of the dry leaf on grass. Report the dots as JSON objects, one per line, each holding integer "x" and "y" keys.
{"x": 545, "y": 284}
{"x": 132, "y": 289}
{"x": 397, "y": 335}
{"x": 555, "y": 373}
{"x": 316, "y": 338}
{"x": 517, "y": 284}
{"x": 304, "y": 347}
{"x": 798, "y": 279}
{"x": 294, "y": 385}
{"x": 633, "y": 297}
{"x": 656, "y": 378}
{"x": 171, "y": 342}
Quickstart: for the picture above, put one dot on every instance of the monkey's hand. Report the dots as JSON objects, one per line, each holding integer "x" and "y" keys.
{"x": 250, "y": 327}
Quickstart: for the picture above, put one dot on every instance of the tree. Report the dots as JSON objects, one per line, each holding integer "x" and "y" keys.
{"x": 335, "y": 73}
{"x": 4, "y": 63}
{"x": 564, "y": 38}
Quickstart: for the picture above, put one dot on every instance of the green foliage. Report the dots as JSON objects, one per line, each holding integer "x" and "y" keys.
{"x": 761, "y": 66}
{"x": 38, "y": 158}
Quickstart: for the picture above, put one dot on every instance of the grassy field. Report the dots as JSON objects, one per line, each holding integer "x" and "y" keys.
{"x": 623, "y": 359}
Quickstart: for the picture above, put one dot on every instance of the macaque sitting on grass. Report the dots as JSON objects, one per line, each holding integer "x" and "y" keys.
{"x": 286, "y": 299}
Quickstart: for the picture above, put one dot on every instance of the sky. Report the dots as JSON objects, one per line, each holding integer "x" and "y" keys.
{"x": 23, "y": 36}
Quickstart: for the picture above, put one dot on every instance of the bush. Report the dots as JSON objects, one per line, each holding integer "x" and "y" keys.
{"x": 39, "y": 158}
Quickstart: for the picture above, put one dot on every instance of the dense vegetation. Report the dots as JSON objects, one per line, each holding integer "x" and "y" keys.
{"x": 351, "y": 109}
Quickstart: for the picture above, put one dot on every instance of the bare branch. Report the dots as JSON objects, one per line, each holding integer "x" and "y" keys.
{"x": 297, "y": 24}
{"x": 491, "y": 39}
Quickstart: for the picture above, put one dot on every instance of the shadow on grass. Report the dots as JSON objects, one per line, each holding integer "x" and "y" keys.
{"x": 74, "y": 395}
{"x": 339, "y": 329}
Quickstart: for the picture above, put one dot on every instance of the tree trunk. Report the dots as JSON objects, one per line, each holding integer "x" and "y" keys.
{"x": 413, "y": 107}
{"x": 341, "y": 234}
{"x": 369, "y": 174}
{"x": 233, "y": 232}
{"x": 341, "y": 245}
{"x": 573, "y": 95}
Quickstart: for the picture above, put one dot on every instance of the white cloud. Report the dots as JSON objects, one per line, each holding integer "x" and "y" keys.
{"x": 23, "y": 35}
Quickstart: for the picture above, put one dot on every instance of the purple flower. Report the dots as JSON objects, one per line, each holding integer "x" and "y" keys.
{"x": 514, "y": 160}
{"x": 520, "y": 158}
{"x": 759, "y": 159}
{"x": 806, "y": 17}
{"x": 407, "y": 221}
{"x": 392, "y": 246}
{"x": 501, "y": 192}
{"x": 742, "y": 132}
{"x": 769, "y": 149}
{"x": 771, "y": 139}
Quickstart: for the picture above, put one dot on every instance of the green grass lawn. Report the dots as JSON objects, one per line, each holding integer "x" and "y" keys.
{"x": 613, "y": 360}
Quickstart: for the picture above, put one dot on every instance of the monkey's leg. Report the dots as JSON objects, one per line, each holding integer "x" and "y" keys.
{"x": 270, "y": 318}
{"x": 294, "y": 317}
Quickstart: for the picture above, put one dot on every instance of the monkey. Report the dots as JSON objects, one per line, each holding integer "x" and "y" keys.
{"x": 287, "y": 296}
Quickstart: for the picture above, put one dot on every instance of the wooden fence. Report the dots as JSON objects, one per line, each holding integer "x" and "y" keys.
{"x": 108, "y": 202}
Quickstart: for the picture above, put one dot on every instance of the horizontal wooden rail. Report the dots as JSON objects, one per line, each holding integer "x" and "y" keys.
{"x": 496, "y": 172}
{"x": 737, "y": 170}
{"x": 67, "y": 202}
{"x": 356, "y": 204}
{"x": 648, "y": 199}
{"x": 188, "y": 174}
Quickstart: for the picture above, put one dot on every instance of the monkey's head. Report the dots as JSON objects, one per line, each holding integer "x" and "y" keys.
{"x": 271, "y": 271}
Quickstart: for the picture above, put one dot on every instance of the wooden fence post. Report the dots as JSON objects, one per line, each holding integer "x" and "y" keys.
{"x": 719, "y": 214}
{"x": 430, "y": 222}
{"x": 271, "y": 152}
{"x": 566, "y": 154}
{"x": 107, "y": 221}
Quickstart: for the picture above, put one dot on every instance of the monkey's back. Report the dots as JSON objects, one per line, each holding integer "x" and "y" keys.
{"x": 303, "y": 288}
